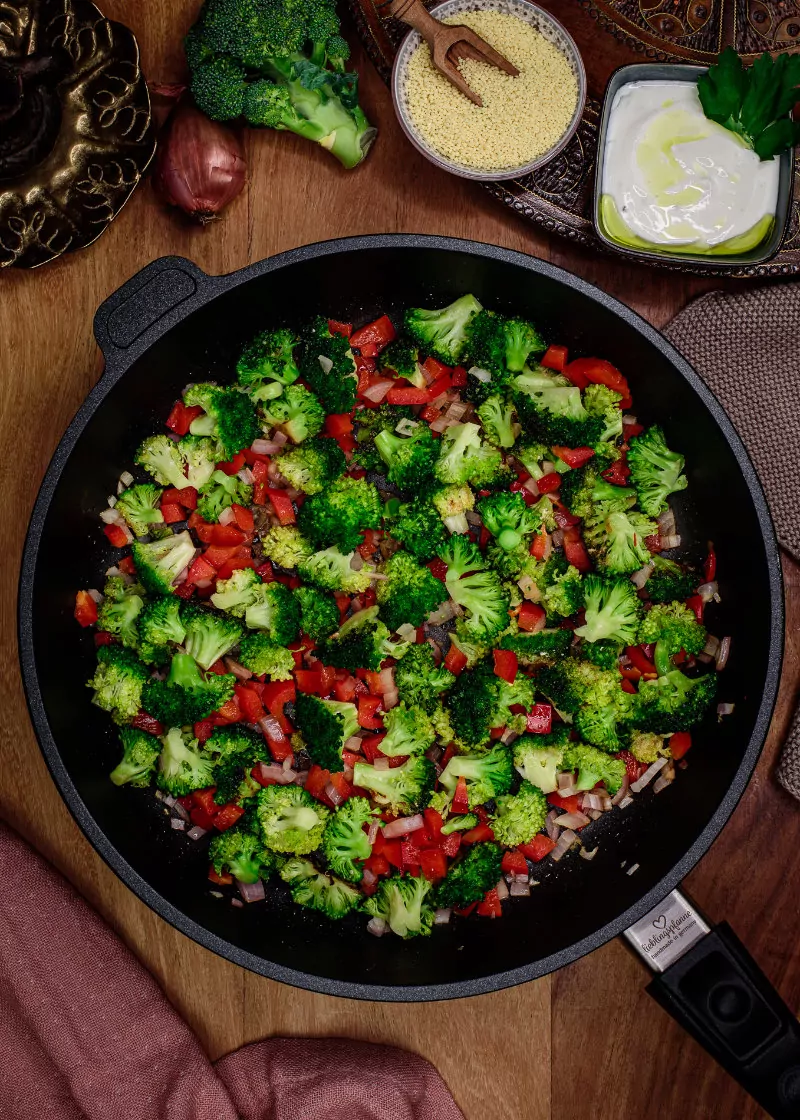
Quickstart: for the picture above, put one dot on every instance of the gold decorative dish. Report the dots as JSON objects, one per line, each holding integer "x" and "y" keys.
{"x": 76, "y": 133}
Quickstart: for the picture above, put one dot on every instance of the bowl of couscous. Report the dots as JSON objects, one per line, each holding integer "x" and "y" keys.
{"x": 524, "y": 121}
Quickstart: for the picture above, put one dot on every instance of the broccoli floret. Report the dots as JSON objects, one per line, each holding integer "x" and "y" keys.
{"x": 488, "y": 776}
{"x": 673, "y": 627}
{"x": 120, "y": 610}
{"x": 370, "y": 423}
{"x": 409, "y": 593}
{"x": 274, "y": 610}
{"x": 159, "y": 563}
{"x": 319, "y": 614}
{"x": 218, "y": 88}
{"x": 486, "y": 347}
{"x": 465, "y": 642}
{"x": 600, "y": 401}
{"x": 586, "y": 494}
{"x": 519, "y": 816}
{"x": 296, "y": 412}
{"x": 534, "y": 649}
{"x": 139, "y": 505}
{"x": 617, "y": 540}
{"x": 242, "y": 854}
{"x": 344, "y": 840}
{"x": 594, "y": 766}
{"x": 313, "y": 465}
{"x": 668, "y": 581}
{"x": 463, "y": 457}
{"x": 140, "y": 753}
{"x": 459, "y": 824}
{"x": 265, "y": 657}
{"x": 409, "y": 460}
{"x": 522, "y": 339}
{"x": 408, "y": 731}
{"x": 291, "y": 820}
{"x": 182, "y": 768}
{"x": 419, "y": 681}
{"x": 613, "y": 610}
{"x": 565, "y": 595}
{"x": 497, "y": 417}
{"x": 442, "y": 333}
{"x": 604, "y": 653}
{"x": 552, "y": 411}
{"x": 160, "y": 457}
{"x": 325, "y": 725}
{"x": 673, "y": 702}
{"x": 220, "y": 493}
{"x": 286, "y": 546}
{"x": 508, "y": 518}
{"x": 330, "y": 570}
{"x": 498, "y": 344}
{"x": 340, "y": 515}
{"x": 362, "y": 642}
{"x": 471, "y": 877}
{"x": 479, "y": 591}
{"x": 236, "y": 593}
{"x": 267, "y": 364}
{"x": 118, "y": 682}
{"x": 403, "y": 789}
{"x": 571, "y": 684}
{"x": 235, "y": 751}
{"x": 330, "y": 896}
{"x": 647, "y": 746}
{"x": 200, "y": 455}
{"x": 327, "y": 365}
{"x": 209, "y": 636}
{"x": 159, "y": 623}
{"x": 452, "y": 504}
{"x": 471, "y": 704}
{"x": 404, "y": 902}
{"x": 598, "y": 726}
{"x": 229, "y": 416}
{"x": 655, "y": 470}
{"x": 418, "y": 526}
{"x": 519, "y": 693}
{"x": 539, "y": 758}
{"x": 401, "y": 357}
{"x": 186, "y": 696}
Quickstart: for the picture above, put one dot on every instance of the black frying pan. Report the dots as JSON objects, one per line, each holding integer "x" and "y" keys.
{"x": 171, "y": 324}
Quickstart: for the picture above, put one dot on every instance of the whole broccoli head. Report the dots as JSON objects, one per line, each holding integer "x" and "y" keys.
{"x": 120, "y": 610}
{"x": 362, "y": 642}
{"x": 404, "y": 903}
{"x": 290, "y": 819}
{"x": 267, "y": 363}
{"x": 419, "y": 681}
{"x": 242, "y": 854}
{"x": 182, "y": 767}
{"x": 286, "y": 546}
{"x": 442, "y": 333}
{"x": 471, "y": 877}
{"x": 656, "y": 472}
{"x": 330, "y": 570}
{"x": 186, "y": 696}
{"x": 118, "y": 682}
{"x": 220, "y": 493}
{"x": 409, "y": 593}
{"x": 139, "y": 505}
{"x": 518, "y": 817}
{"x": 312, "y": 466}
{"x": 409, "y": 460}
{"x": 403, "y": 789}
{"x": 613, "y": 610}
{"x": 325, "y": 725}
{"x": 297, "y": 412}
{"x": 159, "y": 563}
{"x": 540, "y": 758}
{"x": 140, "y": 753}
{"x": 327, "y": 365}
{"x": 344, "y": 840}
{"x": 209, "y": 636}
{"x": 229, "y": 416}
{"x": 319, "y": 614}
{"x": 465, "y": 458}
{"x": 340, "y": 514}
{"x": 408, "y": 731}
{"x": 508, "y": 518}
{"x": 265, "y": 657}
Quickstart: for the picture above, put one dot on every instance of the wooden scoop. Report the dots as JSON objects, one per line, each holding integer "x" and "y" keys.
{"x": 448, "y": 43}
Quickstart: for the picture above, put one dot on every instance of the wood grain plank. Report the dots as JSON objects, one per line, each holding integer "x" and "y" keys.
{"x": 585, "y": 1043}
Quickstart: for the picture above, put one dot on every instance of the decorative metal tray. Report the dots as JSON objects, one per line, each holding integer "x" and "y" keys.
{"x": 75, "y": 127}
{"x": 558, "y": 197}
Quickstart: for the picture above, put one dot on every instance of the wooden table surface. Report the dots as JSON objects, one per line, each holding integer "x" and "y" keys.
{"x": 586, "y": 1042}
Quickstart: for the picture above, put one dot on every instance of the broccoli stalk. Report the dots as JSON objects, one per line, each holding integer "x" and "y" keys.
{"x": 497, "y": 418}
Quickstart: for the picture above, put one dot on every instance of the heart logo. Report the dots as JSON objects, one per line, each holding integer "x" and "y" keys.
{"x": 660, "y": 922}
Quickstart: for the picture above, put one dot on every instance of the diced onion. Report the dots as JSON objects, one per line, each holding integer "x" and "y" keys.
{"x": 640, "y": 578}
{"x": 479, "y": 374}
{"x": 565, "y": 842}
{"x": 178, "y": 824}
{"x": 566, "y": 783}
{"x": 403, "y": 826}
{"x": 96, "y": 595}
{"x": 353, "y": 744}
{"x": 509, "y": 736}
{"x": 595, "y": 814}
{"x": 622, "y": 792}
{"x": 709, "y": 591}
{"x": 111, "y": 501}
{"x": 584, "y": 854}
{"x": 112, "y": 517}
{"x": 237, "y": 902}
{"x": 179, "y": 810}
{"x": 457, "y": 523}
{"x": 333, "y": 793}
{"x": 195, "y": 832}
{"x": 325, "y": 362}
{"x": 227, "y": 516}
{"x": 442, "y": 614}
{"x": 661, "y": 782}
{"x": 634, "y": 867}
{"x": 238, "y": 670}
{"x": 406, "y": 426}
{"x": 251, "y": 892}
{"x": 723, "y": 653}
{"x": 725, "y": 710}
{"x": 245, "y": 475}
{"x": 407, "y": 632}
{"x": 374, "y": 829}
{"x": 529, "y": 588}
{"x": 441, "y": 917}
{"x": 648, "y": 775}
{"x": 571, "y": 820}
{"x": 520, "y": 890}
{"x": 381, "y": 764}
{"x": 357, "y": 563}
{"x": 590, "y": 801}
{"x": 473, "y": 518}
{"x": 666, "y": 522}
{"x": 369, "y": 877}
{"x": 625, "y": 802}
{"x": 670, "y": 540}
{"x": 268, "y": 446}
{"x": 557, "y": 537}
{"x": 391, "y": 699}
{"x": 271, "y": 728}
{"x": 550, "y": 827}
{"x": 377, "y": 927}
{"x": 126, "y": 478}
{"x": 502, "y": 890}
{"x": 377, "y": 390}
{"x": 629, "y": 419}
{"x": 273, "y": 772}
{"x": 386, "y": 677}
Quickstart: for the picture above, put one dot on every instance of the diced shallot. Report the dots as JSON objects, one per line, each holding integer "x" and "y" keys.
{"x": 273, "y": 772}
{"x": 640, "y": 578}
{"x": 723, "y": 653}
{"x": 179, "y": 810}
{"x": 269, "y": 446}
{"x": 666, "y": 523}
{"x": 377, "y": 927}
{"x": 228, "y": 516}
{"x": 333, "y": 793}
{"x": 443, "y": 613}
{"x": 566, "y": 783}
{"x": 374, "y": 829}
{"x": 529, "y": 588}
{"x": 479, "y": 374}
{"x": 557, "y": 537}
{"x": 622, "y": 792}
{"x": 710, "y": 649}
{"x": 177, "y": 823}
{"x": 96, "y": 595}
{"x": 441, "y": 917}
{"x": 353, "y": 744}
{"x": 325, "y": 362}
{"x": 661, "y": 782}
{"x": 195, "y": 832}
{"x": 670, "y": 540}
{"x": 378, "y": 390}
{"x": 520, "y": 890}
{"x": 381, "y": 764}
{"x": 387, "y": 680}
{"x": 251, "y": 892}
{"x": 509, "y": 736}
{"x": 403, "y": 826}
{"x": 271, "y": 729}
{"x": 502, "y": 890}
{"x": 649, "y": 774}
{"x": 725, "y": 710}
{"x": 584, "y": 854}
{"x": 564, "y": 843}
{"x": 112, "y": 517}
{"x": 572, "y": 820}
{"x": 406, "y": 426}
{"x": 550, "y": 827}
{"x": 238, "y": 670}
{"x": 126, "y": 478}
{"x": 709, "y": 591}
{"x": 369, "y": 877}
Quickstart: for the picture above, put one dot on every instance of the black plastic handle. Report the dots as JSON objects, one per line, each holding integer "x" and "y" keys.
{"x": 147, "y": 305}
{"x": 717, "y": 992}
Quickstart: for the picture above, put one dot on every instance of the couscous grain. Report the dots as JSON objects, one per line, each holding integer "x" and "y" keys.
{"x": 521, "y": 117}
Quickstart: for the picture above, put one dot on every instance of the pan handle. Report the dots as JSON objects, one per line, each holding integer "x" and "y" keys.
{"x": 717, "y": 992}
{"x": 147, "y": 305}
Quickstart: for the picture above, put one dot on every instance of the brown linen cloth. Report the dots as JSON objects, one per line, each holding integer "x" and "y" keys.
{"x": 746, "y": 347}
{"x": 87, "y": 1034}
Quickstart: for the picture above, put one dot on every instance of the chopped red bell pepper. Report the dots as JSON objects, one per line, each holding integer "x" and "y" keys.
{"x": 227, "y": 816}
{"x": 568, "y": 804}
{"x": 710, "y": 565}
{"x": 103, "y": 638}
{"x": 221, "y": 880}
{"x": 531, "y": 617}
{"x": 450, "y": 844}
{"x": 244, "y": 518}
{"x": 226, "y": 570}
{"x": 338, "y": 424}
{"x": 459, "y": 377}
{"x": 632, "y": 766}
{"x": 186, "y": 497}
{"x": 441, "y": 385}
{"x": 629, "y": 686}
{"x": 201, "y": 818}
{"x": 368, "y": 717}
{"x": 455, "y": 661}
{"x": 548, "y": 482}
{"x": 631, "y": 430}
{"x": 696, "y": 604}
{"x": 228, "y": 713}
{"x": 276, "y": 695}
{"x": 200, "y": 569}
{"x": 539, "y": 720}
{"x": 575, "y": 550}
{"x": 639, "y": 660}
{"x": 181, "y": 417}
{"x": 409, "y": 395}
{"x": 505, "y": 664}
{"x": 433, "y": 823}
{"x": 538, "y": 848}
{"x": 597, "y": 371}
{"x": 438, "y": 568}
{"x": 203, "y": 730}
{"x": 618, "y": 473}
{"x": 204, "y": 799}
{"x": 378, "y": 334}
{"x": 249, "y": 703}
{"x": 172, "y": 513}
{"x": 127, "y": 565}
{"x": 514, "y": 863}
{"x": 282, "y": 504}
{"x": 315, "y": 783}
{"x": 679, "y": 743}
{"x": 371, "y": 747}
{"x": 85, "y": 609}
{"x": 345, "y": 690}
{"x": 539, "y": 545}
{"x": 574, "y": 457}
{"x": 460, "y": 802}
{"x": 146, "y": 722}
{"x": 260, "y": 472}
{"x": 335, "y": 327}
{"x": 116, "y": 535}
{"x": 377, "y": 864}
{"x": 308, "y": 681}
{"x": 555, "y": 357}
{"x": 491, "y": 906}
{"x": 478, "y": 835}
{"x": 227, "y": 536}
{"x": 234, "y": 465}
{"x": 433, "y": 863}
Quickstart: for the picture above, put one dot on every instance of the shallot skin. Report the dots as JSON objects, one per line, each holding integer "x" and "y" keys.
{"x": 200, "y": 165}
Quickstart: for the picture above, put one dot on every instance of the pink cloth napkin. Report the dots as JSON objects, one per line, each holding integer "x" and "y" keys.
{"x": 87, "y": 1034}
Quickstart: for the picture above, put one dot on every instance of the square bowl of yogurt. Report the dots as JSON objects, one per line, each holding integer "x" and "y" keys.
{"x": 672, "y": 184}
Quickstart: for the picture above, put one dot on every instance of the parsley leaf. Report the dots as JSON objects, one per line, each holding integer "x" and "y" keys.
{"x": 754, "y": 103}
